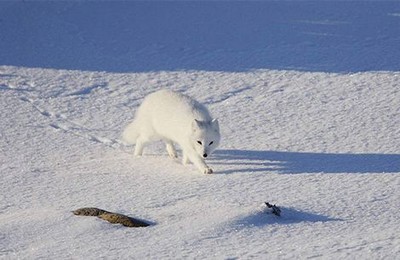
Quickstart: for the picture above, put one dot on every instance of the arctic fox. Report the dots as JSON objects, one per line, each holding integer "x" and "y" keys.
{"x": 175, "y": 118}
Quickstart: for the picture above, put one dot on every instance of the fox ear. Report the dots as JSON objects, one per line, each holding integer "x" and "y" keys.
{"x": 215, "y": 124}
{"x": 196, "y": 124}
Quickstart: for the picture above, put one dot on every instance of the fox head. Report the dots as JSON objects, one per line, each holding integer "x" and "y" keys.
{"x": 205, "y": 136}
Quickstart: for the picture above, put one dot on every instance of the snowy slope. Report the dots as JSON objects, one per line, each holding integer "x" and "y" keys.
{"x": 126, "y": 36}
{"x": 321, "y": 143}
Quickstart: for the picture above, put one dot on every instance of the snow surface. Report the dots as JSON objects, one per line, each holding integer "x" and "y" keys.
{"x": 308, "y": 104}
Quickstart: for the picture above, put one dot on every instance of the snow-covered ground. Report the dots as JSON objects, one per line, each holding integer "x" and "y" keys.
{"x": 308, "y": 99}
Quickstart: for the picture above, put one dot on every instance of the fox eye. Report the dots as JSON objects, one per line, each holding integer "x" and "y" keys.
{"x": 211, "y": 142}
{"x": 199, "y": 142}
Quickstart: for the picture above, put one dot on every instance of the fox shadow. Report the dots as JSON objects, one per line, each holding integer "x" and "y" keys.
{"x": 250, "y": 161}
{"x": 288, "y": 216}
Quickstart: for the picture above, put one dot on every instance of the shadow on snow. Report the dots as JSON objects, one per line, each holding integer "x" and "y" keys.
{"x": 297, "y": 162}
{"x": 288, "y": 216}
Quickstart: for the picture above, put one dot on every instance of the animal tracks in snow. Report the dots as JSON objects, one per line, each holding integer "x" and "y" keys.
{"x": 14, "y": 88}
{"x": 62, "y": 122}
{"x": 88, "y": 90}
{"x": 227, "y": 95}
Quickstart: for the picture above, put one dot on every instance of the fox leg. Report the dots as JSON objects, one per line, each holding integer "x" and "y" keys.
{"x": 171, "y": 149}
{"x": 140, "y": 142}
{"x": 185, "y": 159}
{"x": 197, "y": 161}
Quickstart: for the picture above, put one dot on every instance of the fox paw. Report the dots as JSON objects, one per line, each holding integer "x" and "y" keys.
{"x": 173, "y": 155}
{"x": 208, "y": 171}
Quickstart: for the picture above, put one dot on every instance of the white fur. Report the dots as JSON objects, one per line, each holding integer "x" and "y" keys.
{"x": 175, "y": 118}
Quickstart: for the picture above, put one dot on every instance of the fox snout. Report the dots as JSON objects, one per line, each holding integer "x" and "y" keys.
{"x": 205, "y": 155}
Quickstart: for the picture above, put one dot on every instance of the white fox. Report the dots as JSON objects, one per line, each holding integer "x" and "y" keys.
{"x": 175, "y": 118}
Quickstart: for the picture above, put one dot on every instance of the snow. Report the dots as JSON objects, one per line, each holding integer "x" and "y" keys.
{"x": 309, "y": 109}
{"x": 140, "y": 36}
